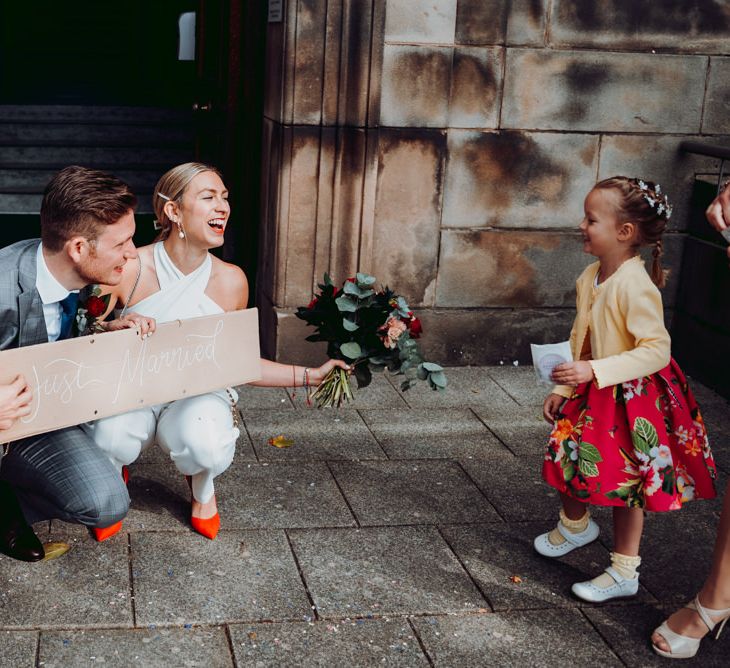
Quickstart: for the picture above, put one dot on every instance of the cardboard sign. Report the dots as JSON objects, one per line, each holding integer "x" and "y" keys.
{"x": 83, "y": 379}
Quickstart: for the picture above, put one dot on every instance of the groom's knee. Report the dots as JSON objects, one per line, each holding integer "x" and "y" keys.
{"x": 102, "y": 505}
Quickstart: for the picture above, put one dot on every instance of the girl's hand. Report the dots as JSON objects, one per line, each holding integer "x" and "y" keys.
{"x": 551, "y": 406}
{"x": 316, "y": 376}
{"x": 15, "y": 401}
{"x": 573, "y": 373}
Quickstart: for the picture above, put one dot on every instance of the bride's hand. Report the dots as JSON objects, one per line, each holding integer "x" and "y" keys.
{"x": 144, "y": 325}
{"x": 316, "y": 376}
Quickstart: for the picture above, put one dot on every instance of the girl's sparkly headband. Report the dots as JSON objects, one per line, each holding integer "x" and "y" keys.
{"x": 658, "y": 201}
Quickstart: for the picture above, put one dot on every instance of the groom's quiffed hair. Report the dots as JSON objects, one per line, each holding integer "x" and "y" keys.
{"x": 78, "y": 201}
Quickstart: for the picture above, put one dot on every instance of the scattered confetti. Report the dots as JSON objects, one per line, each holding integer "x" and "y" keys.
{"x": 281, "y": 442}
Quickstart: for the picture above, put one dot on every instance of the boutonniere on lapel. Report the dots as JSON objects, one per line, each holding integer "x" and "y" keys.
{"x": 92, "y": 306}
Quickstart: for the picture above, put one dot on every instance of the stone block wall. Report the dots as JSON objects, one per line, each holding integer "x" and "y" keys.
{"x": 446, "y": 147}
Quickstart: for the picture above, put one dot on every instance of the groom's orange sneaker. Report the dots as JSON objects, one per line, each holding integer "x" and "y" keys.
{"x": 106, "y": 532}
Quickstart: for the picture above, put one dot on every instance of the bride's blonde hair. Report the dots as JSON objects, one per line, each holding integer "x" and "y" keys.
{"x": 171, "y": 188}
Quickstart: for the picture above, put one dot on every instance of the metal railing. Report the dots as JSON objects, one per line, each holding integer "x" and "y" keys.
{"x": 712, "y": 150}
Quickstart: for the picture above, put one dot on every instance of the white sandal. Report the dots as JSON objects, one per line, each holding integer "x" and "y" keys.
{"x": 684, "y": 647}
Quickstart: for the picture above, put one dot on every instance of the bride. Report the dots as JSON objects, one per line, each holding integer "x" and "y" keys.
{"x": 177, "y": 278}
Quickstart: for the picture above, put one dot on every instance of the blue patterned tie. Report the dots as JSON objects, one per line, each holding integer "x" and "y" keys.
{"x": 69, "y": 306}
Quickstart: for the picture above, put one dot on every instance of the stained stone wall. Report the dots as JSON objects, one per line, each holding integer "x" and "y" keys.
{"x": 446, "y": 146}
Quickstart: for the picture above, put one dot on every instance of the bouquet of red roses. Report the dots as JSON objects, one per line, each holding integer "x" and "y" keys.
{"x": 369, "y": 329}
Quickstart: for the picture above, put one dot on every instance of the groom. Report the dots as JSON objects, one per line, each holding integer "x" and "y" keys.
{"x": 87, "y": 223}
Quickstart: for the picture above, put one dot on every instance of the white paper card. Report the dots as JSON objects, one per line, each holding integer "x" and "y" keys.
{"x": 546, "y": 357}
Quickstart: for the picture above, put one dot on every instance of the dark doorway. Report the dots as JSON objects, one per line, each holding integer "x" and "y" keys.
{"x": 132, "y": 87}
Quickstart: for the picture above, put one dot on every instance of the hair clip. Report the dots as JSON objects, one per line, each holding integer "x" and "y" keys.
{"x": 165, "y": 197}
{"x": 156, "y": 224}
{"x": 658, "y": 202}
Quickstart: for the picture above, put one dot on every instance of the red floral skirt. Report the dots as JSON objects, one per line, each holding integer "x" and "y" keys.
{"x": 640, "y": 444}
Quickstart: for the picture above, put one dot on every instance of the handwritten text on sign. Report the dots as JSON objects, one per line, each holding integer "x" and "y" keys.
{"x": 83, "y": 379}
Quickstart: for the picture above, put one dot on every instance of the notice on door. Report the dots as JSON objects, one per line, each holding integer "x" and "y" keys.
{"x": 276, "y": 11}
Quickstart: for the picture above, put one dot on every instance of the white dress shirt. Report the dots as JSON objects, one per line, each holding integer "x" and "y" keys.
{"x": 51, "y": 292}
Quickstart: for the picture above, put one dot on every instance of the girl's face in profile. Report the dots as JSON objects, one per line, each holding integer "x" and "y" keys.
{"x": 205, "y": 209}
{"x": 600, "y": 224}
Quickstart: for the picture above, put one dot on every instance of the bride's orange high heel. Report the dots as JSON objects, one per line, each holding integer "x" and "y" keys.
{"x": 208, "y": 527}
{"x": 102, "y": 533}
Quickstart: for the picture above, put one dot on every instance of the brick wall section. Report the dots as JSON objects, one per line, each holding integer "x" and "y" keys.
{"x": 446, "y": 146}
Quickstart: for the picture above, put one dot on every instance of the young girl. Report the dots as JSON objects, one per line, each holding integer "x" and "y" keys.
{"x": 630, "y": 434}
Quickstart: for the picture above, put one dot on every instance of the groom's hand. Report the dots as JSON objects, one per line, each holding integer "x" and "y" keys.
{"x": 144, "y": 325}
{"x": 15, "y": 401}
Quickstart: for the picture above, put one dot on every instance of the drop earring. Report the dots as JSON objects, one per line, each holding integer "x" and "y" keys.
{"x": 180, "y": 232}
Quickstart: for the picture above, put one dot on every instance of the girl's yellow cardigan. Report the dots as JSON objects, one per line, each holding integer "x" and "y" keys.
{"x": 625, "y": 318}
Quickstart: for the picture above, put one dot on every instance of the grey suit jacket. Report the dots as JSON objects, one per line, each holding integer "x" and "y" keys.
{"x": 21, "y": 310}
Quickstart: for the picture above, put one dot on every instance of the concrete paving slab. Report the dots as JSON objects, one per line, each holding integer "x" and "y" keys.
{"x": 722, "y": 455}
{"x": 281, "y": 495}
{"x": 161, "y": 497}
{"x": 495, "y": 553}
{"x": 514, "y": 487}
{"x": 317, "y": 435}
{"x": 136, "y": 647}
{"x": 383, "y": 571}
{"x": 520, "y": 384}
{"x": 378, "y": 394}
{"x": 18, "y": 648}
{"x": 628, "y": 629}
{"x": 528, "y": 415}
{"x": 467, "y": 386}
{"x": 252, "y": 398}
{"x": 534, "y": 638}
{"x": 338, "y": 643}
{"x": 526, "y": 439}
{"x": 672, "y": 543}
{"x": 240, "y": 576}
{"x": 411, "y": 492}
{"x": 426, "y": 433}
{"x": 87, "y": 587}
{"x": 265, "y": 581}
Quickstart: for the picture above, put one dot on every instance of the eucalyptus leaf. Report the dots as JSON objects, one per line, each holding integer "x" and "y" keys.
{"x": 351, "y": 288}
{"x": 438, "y": 378}
{"x": 349, "y": 325}
{"x": 430, "y": 366}
{"x": 345, "y": 304}
{"x": 351, "y": 350}
{"x": 364, "y": 279}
